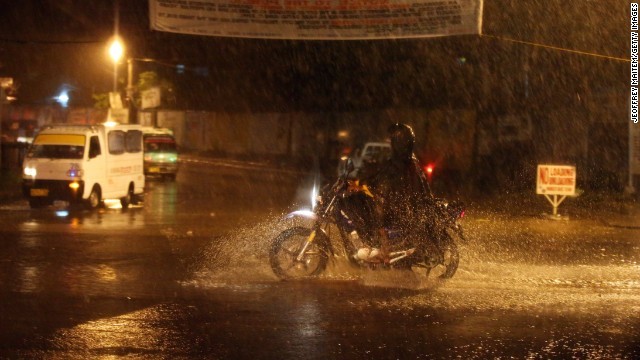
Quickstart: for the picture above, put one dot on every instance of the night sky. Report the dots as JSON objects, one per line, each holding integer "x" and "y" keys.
{"x": 48, "y": 44}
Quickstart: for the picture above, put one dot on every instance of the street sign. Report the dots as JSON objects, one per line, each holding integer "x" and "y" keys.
{"x": 115, "y": 101}
{"x": 556, "y": 180}
{"x": 120, "y": 116}
{"x": 151, "y": 98}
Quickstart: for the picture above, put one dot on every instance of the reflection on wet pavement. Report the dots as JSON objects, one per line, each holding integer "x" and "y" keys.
{"x": 329, "y": 319}
{"x": 186, "y": 275}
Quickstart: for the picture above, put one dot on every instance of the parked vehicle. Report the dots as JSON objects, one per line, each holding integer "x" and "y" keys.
{"x": 160, "y": 152}
{"x": 84, "y": 164}
{"x": 371, "y": 152}
{"x": 303, "y": 252}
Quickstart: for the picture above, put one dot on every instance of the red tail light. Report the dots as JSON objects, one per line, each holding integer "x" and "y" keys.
{"x": 456, "y": 210}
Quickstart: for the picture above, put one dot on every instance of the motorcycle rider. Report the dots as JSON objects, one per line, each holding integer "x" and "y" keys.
{"x": 401, "y": 191}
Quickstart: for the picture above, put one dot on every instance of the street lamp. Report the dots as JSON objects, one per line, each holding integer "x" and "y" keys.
{"x": 63, "y": 98}
{"x": 116, "y": 50}
{"x": 4, "y": 83}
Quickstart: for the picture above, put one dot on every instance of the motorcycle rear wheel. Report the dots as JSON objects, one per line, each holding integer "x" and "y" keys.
{"x": 287, "y": 246}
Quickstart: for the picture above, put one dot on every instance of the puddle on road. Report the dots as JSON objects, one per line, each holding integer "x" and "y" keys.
{"x": 239, "y": 262}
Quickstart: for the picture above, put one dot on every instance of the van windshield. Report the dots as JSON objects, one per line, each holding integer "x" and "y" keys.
{"x": 50, "y": 151}
{"x": 159, "y": 144}
{"x": 378, "y": 153}
{"x": 57, "y": 146}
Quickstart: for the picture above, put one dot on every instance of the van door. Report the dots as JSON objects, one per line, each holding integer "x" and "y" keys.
{"x": 95, "y": 165}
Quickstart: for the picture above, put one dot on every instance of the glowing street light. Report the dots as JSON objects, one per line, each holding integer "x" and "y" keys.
{"x": 63, "y": 98}
{"x": 116, "y": 51}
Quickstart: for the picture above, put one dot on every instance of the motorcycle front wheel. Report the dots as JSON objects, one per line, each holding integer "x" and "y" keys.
{"x": 443, "y": 265}
{"x": 285, "y": 249}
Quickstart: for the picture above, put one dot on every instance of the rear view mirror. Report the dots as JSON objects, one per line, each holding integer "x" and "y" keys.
{"x": 93, "y": 152}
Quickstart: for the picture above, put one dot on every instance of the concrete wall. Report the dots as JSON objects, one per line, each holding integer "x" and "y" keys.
{"x": 505, "y": 148}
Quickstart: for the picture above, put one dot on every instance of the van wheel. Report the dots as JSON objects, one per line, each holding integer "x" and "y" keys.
{"x": 129, "y": 199}
{"x": 95, "y": 198}
{"x": 135, "y": 199}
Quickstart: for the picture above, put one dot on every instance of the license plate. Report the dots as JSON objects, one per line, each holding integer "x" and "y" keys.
{"x": 39, "y": 192}
{"x": 154, "y": 169}
{"x": 61, "y": 204}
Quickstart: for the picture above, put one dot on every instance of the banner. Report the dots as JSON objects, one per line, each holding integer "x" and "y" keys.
{"x": 317, "y": 19}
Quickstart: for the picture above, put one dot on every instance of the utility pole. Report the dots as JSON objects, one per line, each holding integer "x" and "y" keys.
{"x": 118, "y": 52}
{"x": 2, "y": 97}
{"x": 130, "y": 105}
{"x": 4, "y": 83}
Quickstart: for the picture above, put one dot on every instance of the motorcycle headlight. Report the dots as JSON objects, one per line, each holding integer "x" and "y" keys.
{"x": 314, "y": 197}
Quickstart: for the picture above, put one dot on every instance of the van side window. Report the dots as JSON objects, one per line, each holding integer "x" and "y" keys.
{"x": 133, "y": 141}
{"x": 116, "y": 142}
{"x": 94, "y": 147}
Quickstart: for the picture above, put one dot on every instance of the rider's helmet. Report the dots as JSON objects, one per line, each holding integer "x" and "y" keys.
{"x": 402, "y": 140}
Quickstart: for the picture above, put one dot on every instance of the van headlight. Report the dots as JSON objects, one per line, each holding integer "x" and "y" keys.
{"x": 30, "y": 171}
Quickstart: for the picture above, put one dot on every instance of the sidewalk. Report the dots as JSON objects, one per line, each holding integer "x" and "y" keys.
{"x": 597, "y": 208}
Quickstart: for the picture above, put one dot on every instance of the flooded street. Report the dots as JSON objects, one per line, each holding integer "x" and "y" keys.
{"x": 187, "y": 275}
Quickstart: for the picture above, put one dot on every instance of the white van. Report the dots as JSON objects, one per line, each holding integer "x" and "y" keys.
{"x": 372, "y": 152}
{"x": 84, "y": 164}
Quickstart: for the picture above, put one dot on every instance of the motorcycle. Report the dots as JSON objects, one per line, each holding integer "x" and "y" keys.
{"x": 303, "y": 252}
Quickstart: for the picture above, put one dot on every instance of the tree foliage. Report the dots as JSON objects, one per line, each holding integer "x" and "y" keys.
{"x": 150, "y": 79}
{"x": 146, "y": 81}
{"x": 100, "y": 100}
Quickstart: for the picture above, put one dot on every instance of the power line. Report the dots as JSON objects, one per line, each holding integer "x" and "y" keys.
{"x": 608, "y": 57}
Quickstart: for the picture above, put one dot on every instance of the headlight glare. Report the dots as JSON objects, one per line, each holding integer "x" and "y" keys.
{"x": 30, "y": 171}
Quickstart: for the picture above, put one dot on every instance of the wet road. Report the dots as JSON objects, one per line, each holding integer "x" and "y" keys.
{"x": 186, "y": 276}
